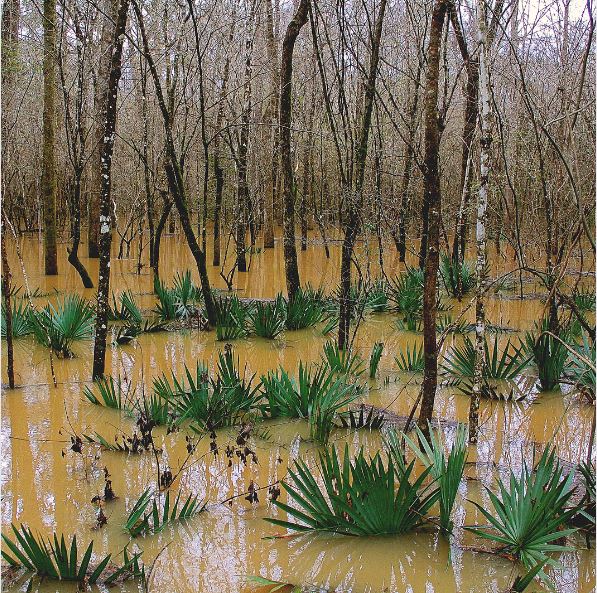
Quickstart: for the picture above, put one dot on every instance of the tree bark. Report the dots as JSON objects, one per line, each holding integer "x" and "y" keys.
{"x": 109, "y": 13}
{"x": 432, "y": 202}
{"x": 482, "y": 199}
{"x": 48, "y": 176}
{"x": 175, "y": 179}
{"x": 285, "y": 118}
{"x": 270, "y": 194}
{"x": 6, "y": 288}
{"x": 105, "y": 214}
{"x": 355, "y": 200}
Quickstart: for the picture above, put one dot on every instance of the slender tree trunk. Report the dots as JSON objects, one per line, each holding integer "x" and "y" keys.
{"x": 485, "y": 121}
{"x": 285, "y": 118}
{"x": 105, "y": 214}
{"x": 242, "y": 203}
{"x": 355, "y": 202}
{"x": 432, "y": 202}
{"x": 6, "y": 288}
{"x": 408, "y": 163}
{"x": 175, "y": 179}
{"x": 48, "y": 176}
{"x": 471, "y": 112}
{"x": 108, "y": 14}
{"x": 270, "y": 193}
{"x": 73, "y": 251}
{"x": 159, "y": 229}
{"x": 218, "y": 171}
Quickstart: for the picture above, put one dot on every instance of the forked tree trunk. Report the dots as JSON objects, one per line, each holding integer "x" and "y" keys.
{"x": 174, "y": 175}
{"x": 105, "y": 215}
{"x": 285, "y": 118}
{"x": 48, "y": 175}
{"x": 73, "y": 251}
{"x": 355, "y": 201}
{"x": 432, "y": 202}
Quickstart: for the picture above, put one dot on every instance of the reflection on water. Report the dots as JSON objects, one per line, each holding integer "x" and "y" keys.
{"x": 49, "y": 487}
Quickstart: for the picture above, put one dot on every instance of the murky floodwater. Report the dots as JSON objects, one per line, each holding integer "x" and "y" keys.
{"x": 49, "y": 487}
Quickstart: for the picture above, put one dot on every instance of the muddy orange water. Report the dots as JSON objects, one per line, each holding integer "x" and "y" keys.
{"x": 49, "y": 487}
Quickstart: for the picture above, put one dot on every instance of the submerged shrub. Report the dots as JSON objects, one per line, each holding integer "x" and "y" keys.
{"x": 585, "y": 300}
{"x": 21, "y": 319}
{"x": 267, "y": 320}
{"x": 54, "y": 559}
{"x": 126, "y": 309}
{"x": 318, "y": 396}
{"x": 358, "y": 497}
{"x": 176, "y": 302}
{"x": 58, "y": 327}
{"x": 460, "y": 360}
{"x": 529, "y": 513}
{"x": 548, "y": 353}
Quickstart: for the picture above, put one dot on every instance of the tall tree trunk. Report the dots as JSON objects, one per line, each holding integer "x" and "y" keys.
{"x": 48, "y": 175}
{"x": 242, "y": 203}
{"x": 355, "y": 200}
{"x": 218, "y": 171}
{"x": 285, "y": 118}
{"x": 408, "y": 164}
{"x": 105, "y": 214}
{"x": 270, "y": 192}
{"x": 432, "y": 202}
{"x": 6, "y": 288}
{"x": 471, "y": 112}
{"x": 108, "y": 13}
{"x": 485, "y": 121}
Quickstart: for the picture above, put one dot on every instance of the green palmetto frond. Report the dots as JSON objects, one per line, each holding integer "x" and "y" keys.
{"x": 58, "y": 327}
{"x": 376, "y": 353}
{"x": 548, "y": 353}
{"x": 21, "y": 319}
{"x": 145, "y": 518}
{"x": 55, "y": 559}
{"x": 411, "y": 361}
{"x": 460, "y": 360}
{"x": 359, "y": 497}
{"x": 304, "y": 310}
{"x": 530, "y": 512}
{"x": 342, "y": 361}
{"x": 446, "y": 470}
{"x": 267, "y": 320}
{"x": 109, "y": 393}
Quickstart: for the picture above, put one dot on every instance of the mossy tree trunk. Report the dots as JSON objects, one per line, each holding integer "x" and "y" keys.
{"x": 105, "y": 214}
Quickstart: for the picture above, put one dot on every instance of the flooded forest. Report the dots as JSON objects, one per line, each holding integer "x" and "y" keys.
{"x": 298, "y": 296}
